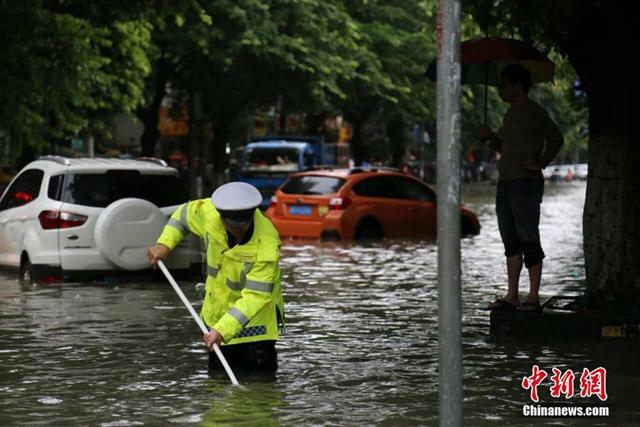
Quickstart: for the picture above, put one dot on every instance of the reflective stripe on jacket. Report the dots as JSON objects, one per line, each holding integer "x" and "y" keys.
{"x": 243, "y": 299}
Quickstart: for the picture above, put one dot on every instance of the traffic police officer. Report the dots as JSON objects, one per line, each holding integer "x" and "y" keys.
{"x": 243, "y": 304}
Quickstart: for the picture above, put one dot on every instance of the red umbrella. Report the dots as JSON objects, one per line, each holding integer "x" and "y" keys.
{"x": 482, "y": 60}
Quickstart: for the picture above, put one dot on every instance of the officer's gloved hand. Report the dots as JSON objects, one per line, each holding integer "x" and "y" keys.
{"x": 157, "y": 253}
{"x": 213, "y": 337}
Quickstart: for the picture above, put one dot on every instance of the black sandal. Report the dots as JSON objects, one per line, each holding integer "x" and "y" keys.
{"x": 535, "y": 307}
{"x": 501, "y": 304}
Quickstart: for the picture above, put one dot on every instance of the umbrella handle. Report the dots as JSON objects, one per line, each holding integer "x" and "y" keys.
{"x": 198, "y": 320}
{"x": 486, "y": 91}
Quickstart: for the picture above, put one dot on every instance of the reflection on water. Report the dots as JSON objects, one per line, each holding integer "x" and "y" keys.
{"x": 360, "y": 349}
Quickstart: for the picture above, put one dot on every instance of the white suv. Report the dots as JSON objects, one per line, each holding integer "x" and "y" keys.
{"x": 63, "y": 218}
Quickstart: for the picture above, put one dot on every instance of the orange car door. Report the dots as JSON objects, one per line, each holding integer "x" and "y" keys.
{"x": 422, "y": 210}
{"x": 403, "y": 207}
{"x": 378, "y": 197}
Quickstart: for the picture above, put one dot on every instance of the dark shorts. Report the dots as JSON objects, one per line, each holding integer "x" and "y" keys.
{"x": 259, "y": 356}
{"x": 518, "y": 211}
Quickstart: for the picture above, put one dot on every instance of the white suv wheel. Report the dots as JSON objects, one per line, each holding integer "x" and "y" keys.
{"x": 26, "y": 274}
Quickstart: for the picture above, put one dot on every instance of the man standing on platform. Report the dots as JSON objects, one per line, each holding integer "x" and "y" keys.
{"x": 527, "y": 142}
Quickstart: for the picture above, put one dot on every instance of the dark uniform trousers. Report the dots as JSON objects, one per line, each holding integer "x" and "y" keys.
{"x": 258, "y": 356}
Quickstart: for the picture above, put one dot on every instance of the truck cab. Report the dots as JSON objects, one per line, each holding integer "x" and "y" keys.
{"x": 267, "y": 164}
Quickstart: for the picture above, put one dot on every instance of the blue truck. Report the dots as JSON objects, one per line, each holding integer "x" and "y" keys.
{"x": 267, "y": 162}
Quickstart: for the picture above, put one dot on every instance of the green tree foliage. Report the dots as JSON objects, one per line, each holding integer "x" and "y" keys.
{"x": 72, "y": 64}
{"x": 241, "y": 55}
{"x": 61, "y": 72}
{"x": 179, "y": 34}
{"x": 397, "y": 44}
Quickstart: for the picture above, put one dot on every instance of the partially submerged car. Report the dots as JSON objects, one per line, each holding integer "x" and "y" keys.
{"x": 563, "y": 173}
{"x": 582, "y": 171}
{"x": 67, "y": 218}
{"x": 358, "y": 204}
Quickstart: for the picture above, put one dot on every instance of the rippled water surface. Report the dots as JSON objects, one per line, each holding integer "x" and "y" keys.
{"x": 360, "y": 349}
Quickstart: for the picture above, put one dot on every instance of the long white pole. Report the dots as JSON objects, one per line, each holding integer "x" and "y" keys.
{"x": 198, "y": 320}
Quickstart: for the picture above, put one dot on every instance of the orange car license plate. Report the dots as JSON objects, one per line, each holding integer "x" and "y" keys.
{"x": 300, "y": 210}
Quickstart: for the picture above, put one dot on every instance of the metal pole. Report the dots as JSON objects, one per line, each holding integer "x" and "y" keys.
{"x": 486, "y": 93}
{"x": 90, "y": 149}
{"x": 449, "y": 306}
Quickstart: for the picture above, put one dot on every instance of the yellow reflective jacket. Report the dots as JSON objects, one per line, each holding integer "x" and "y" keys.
{"x": 243, "y": 299}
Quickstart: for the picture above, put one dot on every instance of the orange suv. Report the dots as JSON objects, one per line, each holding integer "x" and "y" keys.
{"x": 358, "y": 204}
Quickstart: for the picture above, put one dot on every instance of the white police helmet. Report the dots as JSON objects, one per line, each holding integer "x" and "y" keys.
{"x": 236, "y": 196}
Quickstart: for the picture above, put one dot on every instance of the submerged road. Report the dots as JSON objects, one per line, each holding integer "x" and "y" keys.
{"x": 360, "y": 348}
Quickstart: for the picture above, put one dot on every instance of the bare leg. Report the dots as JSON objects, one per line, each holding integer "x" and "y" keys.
{"x": 535, "y": 276}
{"x": 514, "y": 266}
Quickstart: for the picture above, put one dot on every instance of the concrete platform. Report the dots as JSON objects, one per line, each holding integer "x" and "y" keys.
{"x": 559, "y": 320}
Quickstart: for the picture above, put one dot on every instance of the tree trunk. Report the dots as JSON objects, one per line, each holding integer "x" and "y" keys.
{"x": 612, "y": 207}
{"x": 358, "y": 150}
{"x": 357, "y": 144}
{"x": 611, "y": 225}
{"x": 314, "y": 123}
{"x": 395, "y": 133}
{"x": 149, "y": 116}
{"x": 197, "y": 161}
{"x": 220, "y": 139}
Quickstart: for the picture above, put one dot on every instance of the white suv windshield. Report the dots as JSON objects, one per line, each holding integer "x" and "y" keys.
{"x": 101, "y": 189}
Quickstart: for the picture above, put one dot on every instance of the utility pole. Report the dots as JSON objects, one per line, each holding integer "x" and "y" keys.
{"x": 449, "y": 301}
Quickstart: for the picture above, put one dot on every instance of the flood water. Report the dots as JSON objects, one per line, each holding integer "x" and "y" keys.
{"x": 360, "y": 349}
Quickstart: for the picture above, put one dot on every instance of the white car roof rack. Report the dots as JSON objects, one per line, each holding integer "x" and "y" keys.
{"x": 65, "y": 161}
{"x": 153, "y": 160}
{"x": 58, "y": 159}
